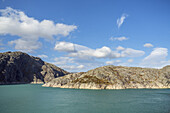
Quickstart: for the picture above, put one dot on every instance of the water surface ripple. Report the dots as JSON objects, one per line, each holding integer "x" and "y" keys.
{"x": 30, "y": 98}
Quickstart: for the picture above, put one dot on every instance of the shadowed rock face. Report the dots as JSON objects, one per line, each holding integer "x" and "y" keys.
{"x": 115, "y": 77}
{"x": 18, "y": 67}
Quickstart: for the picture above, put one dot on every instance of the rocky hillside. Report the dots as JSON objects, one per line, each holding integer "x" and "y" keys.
{"x": 115, "y": 77}
{"x": 18, "y": 67}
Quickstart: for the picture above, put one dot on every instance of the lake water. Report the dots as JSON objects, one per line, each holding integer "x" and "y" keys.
{"x": 36, "y": 99}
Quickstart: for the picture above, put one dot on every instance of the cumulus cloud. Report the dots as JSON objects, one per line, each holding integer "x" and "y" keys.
{"x": 113, "y": 62}
{"x": 157, "y": 58}
{"x": 72, "y": 67}
{"x": 68, "y": 63}
{"x": 17, "y": 23}
{"x": 157, "y": 54}
{"x": 63, "y": 60}
{"x": 76, "y": 64}
{"x": 69, "y": 47}
{"x": 118, "y": 38}
{"x": 130, "y": 60}
{"x": 43, "y": 56}
{"x": 104, "y": 52}
{"x": 26, "y": 45}
{"x": 120, "y": 48}
{"x": 129, "y": 52}
{"x": 82, "y": 55}
{"x": 64, "y": 47}
{"x": 148, "y": 45}
{"x": 121, "y": 20}
{"x": 84, "y": 52}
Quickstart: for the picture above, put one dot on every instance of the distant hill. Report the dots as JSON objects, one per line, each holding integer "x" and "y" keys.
{"x": 18, "y": 67}
{"x": 115, "y": 77}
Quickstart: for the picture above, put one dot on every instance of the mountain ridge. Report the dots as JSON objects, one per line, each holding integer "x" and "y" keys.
{"x": 18, "y": 67}
{"x": 115, "y": 77}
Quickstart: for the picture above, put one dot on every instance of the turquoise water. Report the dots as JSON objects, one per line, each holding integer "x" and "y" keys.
{"x": 36, "y": 99}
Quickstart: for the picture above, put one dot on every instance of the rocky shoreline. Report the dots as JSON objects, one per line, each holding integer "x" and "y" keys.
{"x": 115, "y": 77}
{"x": 21, "y": 68}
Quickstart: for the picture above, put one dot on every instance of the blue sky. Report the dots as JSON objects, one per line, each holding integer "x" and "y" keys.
{"x": 79, "y": 35}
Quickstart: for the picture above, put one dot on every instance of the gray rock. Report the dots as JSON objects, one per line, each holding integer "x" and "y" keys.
{"x": 18, "y": 67}
{"x": 115, "y": 77}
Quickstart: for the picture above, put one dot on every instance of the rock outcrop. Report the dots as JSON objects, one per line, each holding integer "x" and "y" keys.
{"x": 18, "y": 67}
{"x": 115, "y": 77}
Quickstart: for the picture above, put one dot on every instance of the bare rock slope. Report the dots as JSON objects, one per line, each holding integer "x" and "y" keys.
{"x": 18, "y": 67}
{"x": 115, "y": 77}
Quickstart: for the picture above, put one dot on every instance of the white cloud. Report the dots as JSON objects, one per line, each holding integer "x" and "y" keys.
{"x": 63, "y": 60}
{"x": 43, "y": 56}
{"x": 130, "y": 60}
{"x": 119, "y": 62}
{"x": 157, "y": 54}
{"x": 76, "y": 64}
{"x": 17, "y": 23}
{"x": 120, "y": 48}
{"x": 82, "y": 55}
{"x": 25, "y": 45}
{"x": 64, "y": 47}
{"x": 69, "y": 47}
{"x": 113, "y": 62}
{"x": 84, "y": 52}
{"x": 72, "y": 67}
{"x": 121, "y": 20}
{"x": 69, "y": 64}
{"x": 118, "y": 38}
{"x": 148, "y": 45}
{"x": 129, "y": 52}
{"x": 104, "y": 52}
{"x": 157, "y": 58}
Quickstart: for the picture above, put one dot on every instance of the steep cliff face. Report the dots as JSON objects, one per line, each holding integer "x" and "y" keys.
{"x": 18, "y": 67}
{"x": 115, "y": 77}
